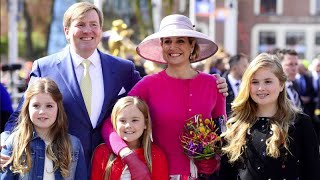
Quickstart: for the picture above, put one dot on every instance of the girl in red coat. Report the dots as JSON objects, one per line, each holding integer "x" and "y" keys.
{"x": 131, "y": 120}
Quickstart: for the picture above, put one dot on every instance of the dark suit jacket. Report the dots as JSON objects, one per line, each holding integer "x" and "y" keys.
{"x": 317, "y": 115}
{"x": 230, "y": 97}
{"x": 117, "y": 73}
{"x": 5, "y": 106}
{"x": 307, "y": 91}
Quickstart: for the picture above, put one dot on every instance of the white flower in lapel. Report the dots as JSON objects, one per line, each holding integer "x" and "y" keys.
{"x": 122, "y": 91}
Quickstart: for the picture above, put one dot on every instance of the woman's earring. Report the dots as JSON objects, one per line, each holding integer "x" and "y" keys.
{"x": 191, "y": 55}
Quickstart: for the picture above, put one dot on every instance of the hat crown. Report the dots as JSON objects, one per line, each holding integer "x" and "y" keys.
{"x": 175, "y": 25}
{"x": 176, "y": 21}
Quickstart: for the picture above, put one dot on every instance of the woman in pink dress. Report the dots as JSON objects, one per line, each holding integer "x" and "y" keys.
{"x": 176, "y": 94}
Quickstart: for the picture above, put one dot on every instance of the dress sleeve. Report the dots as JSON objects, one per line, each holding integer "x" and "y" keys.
{"x": 99, "y": 162}
{"x": 159, "y": 164}
{"x": 141, "y": 88}
{"x": 310, "y": 161}
{"x": 111, "y": 137}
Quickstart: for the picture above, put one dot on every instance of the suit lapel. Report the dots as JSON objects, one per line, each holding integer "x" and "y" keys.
{"x": 109, "y": 80}
{"x": 67, "y": 72}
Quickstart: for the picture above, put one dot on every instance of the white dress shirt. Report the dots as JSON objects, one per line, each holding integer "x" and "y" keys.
{"x": 95, "y": 72}
{"x": 233, "y": 83}
{"x": 292, "y": 93}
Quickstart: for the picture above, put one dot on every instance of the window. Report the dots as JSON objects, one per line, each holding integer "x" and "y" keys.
{"x": 268, "y": 6}
{"x": 317, "y": 41}
{"x": 317, "y": 44}
{"x": 315, "y": 7}
{"x": 267, "y": 41}
{"x": 296, "y": 40}
{"x": 304, "y": 38}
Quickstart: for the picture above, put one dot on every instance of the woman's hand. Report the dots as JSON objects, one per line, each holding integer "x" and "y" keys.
{"x": 222, "y": 85}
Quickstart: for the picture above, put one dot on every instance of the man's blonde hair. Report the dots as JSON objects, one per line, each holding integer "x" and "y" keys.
{"x": 77, "y": 10}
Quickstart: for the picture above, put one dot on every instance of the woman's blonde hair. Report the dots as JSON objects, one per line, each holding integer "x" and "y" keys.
{"x": 245, "y": 109}
{"x": 59, "y": 151}
{"x": 147, "y": 134}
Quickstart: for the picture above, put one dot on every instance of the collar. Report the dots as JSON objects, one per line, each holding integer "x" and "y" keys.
{"x": 232, "y": 80}
{"x": 34, "y": 135}
{"x": 289, "y": 83}
{"x": 77, "y": 59}
{"x": 316, "y": 75}
{"x": 298, "y": 76}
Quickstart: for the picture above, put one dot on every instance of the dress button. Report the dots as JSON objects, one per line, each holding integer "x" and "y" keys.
{"x": 189, "y": 109}
{"x": 258, "y": 168}
{"x": 261, "y": 140}
{"x": 190, "y": 94}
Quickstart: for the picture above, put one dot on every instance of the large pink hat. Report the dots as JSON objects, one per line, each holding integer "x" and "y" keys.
{"x": 175, "y": 25}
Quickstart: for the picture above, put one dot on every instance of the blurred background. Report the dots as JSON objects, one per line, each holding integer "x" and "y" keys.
{"x": 33, "y": 28}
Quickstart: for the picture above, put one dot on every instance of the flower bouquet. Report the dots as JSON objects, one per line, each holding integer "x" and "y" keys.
{"x": 200, "y": 138}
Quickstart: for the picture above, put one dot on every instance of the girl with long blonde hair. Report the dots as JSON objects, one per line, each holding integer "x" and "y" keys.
{"x": 130, "y": 118}
{"x": 267, "y": 137}
{"x": 40, "y": 146}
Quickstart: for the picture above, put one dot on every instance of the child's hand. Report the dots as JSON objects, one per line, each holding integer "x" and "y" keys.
{"x": 137, "y": 168}
{"x": 3, "y": 159}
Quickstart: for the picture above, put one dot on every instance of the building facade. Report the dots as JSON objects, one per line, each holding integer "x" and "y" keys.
{"x": 263, "y": 25}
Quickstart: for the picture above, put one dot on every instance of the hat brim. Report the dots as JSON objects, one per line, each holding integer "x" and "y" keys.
{"x": 150, "y": 48}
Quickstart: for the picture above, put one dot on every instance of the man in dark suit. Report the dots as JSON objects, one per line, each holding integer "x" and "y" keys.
{"x": 316, "y": 84}
{"x": 305, "y": 89}
{"x": 317, "y": 115}
{"x": 238, "y": 64}
{"x": 289, "y": 61}
{"x": 110, "y": 78}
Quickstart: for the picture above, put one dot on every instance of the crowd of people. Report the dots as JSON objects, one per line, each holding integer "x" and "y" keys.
{"x": 90, "y": 115}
